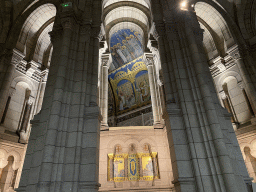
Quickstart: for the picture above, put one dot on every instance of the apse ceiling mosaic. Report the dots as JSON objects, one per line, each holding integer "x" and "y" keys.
{"x": 125, "y": 46}
{"x": 129, "y": 87}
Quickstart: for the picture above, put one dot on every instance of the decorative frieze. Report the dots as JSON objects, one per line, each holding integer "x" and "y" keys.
{"x": 221, "y": 65}
{"x": 31, "y": 70}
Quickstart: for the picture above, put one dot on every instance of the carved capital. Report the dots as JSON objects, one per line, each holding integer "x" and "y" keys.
{"x": 158, "y": 30}
{"x": 152, "y": 44}
{"x": 234, "y": 52}
{"x": 241, "y": 85}
{"x": 67, "y": 23}
{"x": 105, "y": 60}
{"x": 148, "y": 59}
{"x": 11, "y": 91}
{"x": 223, "y": 95}
{"x": 30, "y": 100}
{"x": 27, "y": 94}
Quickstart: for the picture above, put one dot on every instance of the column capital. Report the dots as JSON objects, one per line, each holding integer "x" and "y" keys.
{"x": 152, "y": 44}
{"x": 106, "y": 59}
{"x": 12, "y": 91}
{"x": 67, "y": 22}
{"x": 158, "y": 29}
{"x": 219, "y": 62}
{"x": 241, "y": 85}
{"x": 148, "y": 59}
{"x": 234, "y": 52}
{"x": 31, "y": 100}
{"x": 223, "y": 95}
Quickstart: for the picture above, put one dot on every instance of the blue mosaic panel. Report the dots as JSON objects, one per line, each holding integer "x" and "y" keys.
{"x": 125, "y": 46}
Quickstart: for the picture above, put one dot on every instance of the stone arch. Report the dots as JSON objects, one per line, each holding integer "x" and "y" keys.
{"x": 27, "y": 81}
{"x": 224, "y": 77}
{"x": 149, "y": 141}
{"x": 3, "y": 158}
{"x": 132, "y": 141}
{"x": 32, "y": 25}
{"x": 17, "y": 159}
{"x": 111, "y": 145}
{"x": 24, "y": 13}
{"x": 106, "y": 3}
{"x": 216, "y": 24}
{"x": 232, "y": 26}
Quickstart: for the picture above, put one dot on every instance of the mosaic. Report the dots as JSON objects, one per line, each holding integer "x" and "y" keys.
{"x": 133, "y": 168}
{"x": 147, "y": 167}
{"x": 130, "y": 86}
{"x": 119, "y": 168}
{"x": 125, "y": 46}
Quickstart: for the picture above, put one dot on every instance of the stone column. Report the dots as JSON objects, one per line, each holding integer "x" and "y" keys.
{"x": 91, "y": 126}
{"x": 228, "y": 105}
{"x": 23, "y": 130}
{"x": 52, "y": 144}
{"x": 149, "y": 61}
{"x": 222, "y": 176}
{"x": 235, "y": 53}
{"x": 104, "y": 87}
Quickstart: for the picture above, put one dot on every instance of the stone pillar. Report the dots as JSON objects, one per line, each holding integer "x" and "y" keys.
{"x": 218, "y": 152}
{"x": 149, "y": 61}
{"x": 235, "y": 53}
{"x": 228, "y": 105}
{"x": 63, "y": 151}
{"x": 104, "y": 89}
{"x": 25, "y": 120}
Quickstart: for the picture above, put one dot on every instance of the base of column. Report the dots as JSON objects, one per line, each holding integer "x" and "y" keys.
{"x": 23, "y": 137}
{"x": 104, "y": 127}
{"x": 184, "y": 184}
{"x": 158, "y": 126}
{"x": 21, "y": 189}
{"x": 89, "y": 187}
{"x": 235, "y": 126}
